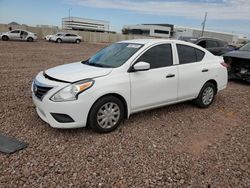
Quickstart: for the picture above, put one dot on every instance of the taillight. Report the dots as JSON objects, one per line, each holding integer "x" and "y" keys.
{"x": 224, "y": 64}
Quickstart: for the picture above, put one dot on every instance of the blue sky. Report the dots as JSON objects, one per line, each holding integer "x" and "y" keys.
{"x": 223, "y": 15}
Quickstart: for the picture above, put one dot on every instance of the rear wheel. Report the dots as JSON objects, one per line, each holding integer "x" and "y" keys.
{"x": 5, "y": 38}
{"x": 206, "y": 95}
{"x": 106, "y": 114}
{"x": 30, "y": 39}
{"x": 78, "y": 41}
{"x": 59, "y": 40}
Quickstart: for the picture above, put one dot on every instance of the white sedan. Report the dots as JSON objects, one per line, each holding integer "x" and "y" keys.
{"x": 66, "y": 37}
{"x": 19, "y": 35}
{"x": 125, "y": 78}
{"x": 47, "y": 37}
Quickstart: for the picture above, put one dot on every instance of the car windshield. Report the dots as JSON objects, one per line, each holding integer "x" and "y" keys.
{"x": 114, "y": 55}
{"x": 58, "y": 34}
{"x": 246, "y": 47}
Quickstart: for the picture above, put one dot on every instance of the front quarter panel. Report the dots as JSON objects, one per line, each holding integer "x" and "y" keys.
{"x": 114, "y": 83}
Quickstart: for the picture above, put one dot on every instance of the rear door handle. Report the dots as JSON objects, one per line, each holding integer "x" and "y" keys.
{"x": 170, "y": 75}
{"x": 204, "y": 70}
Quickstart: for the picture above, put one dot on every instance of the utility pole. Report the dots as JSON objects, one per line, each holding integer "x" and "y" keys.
{"x": 69, "y": 12}
{"x": 203, "y": 24}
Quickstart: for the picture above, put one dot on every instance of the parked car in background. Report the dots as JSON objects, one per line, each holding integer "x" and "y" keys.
{"x": 66, "y": 37}
{"x": 19, "y": 35}
{"x": 188, "y": 39}
{"x": 125, "y": 78}
{"x": 215, "y": 46}
{"x": 47, "y": 37}
{"x": 239, "y": 63}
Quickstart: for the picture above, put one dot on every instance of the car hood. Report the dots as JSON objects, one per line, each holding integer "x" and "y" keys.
{"x": 238, "y": 54}
{"x": 76, "y": 71}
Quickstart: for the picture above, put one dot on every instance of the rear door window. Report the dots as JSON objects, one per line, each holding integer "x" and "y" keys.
{"x": 199, "y": 54}
{"x": 188, "y": 54}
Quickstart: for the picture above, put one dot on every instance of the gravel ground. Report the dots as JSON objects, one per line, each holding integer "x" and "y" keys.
{"x": 174, "y": 146}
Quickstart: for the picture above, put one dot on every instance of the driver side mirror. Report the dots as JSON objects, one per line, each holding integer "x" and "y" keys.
{"x": 140, "y": 66}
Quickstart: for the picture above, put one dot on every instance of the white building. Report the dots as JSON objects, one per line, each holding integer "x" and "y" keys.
{"x": 180, "y": 31}
{"x": 84, "y": 24}
{"x": 154, "y": 30}
{"x": 48, "y": 26}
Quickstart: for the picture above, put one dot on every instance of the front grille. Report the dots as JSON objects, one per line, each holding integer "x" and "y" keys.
{"x": 40, "y": 91}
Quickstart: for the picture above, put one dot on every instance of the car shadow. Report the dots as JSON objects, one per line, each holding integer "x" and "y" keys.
{"x": 137, "y": 117}
{"x": 13, "y": 41}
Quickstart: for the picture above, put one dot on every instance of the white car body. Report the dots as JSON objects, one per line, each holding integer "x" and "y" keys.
{"x": 139, "y": 91}
{"x": 48, "y": 37}
{"x": 66, "y": 37}
{"x": 19, "y": 34}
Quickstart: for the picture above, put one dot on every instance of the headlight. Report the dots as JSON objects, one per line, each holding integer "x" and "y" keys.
{"x": 70, "y": 93}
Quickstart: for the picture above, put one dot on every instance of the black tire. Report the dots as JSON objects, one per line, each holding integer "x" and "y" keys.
{"x": 78, "y": 41}
{"x": 99, "y": 105}
{"x": 201, "y": 101}
{"x": 5, "y": 38}
{"x": 59, "y": 40}
{"x": 30, "y": 39}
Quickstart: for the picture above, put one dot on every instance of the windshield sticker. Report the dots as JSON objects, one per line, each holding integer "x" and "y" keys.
{"x": 133, "y": 46}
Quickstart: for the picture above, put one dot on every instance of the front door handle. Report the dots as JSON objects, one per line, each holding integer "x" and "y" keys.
{"x": 170, "y": 75}
{"x": 204, "y": 70}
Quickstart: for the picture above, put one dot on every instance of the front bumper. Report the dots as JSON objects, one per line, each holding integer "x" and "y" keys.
{"x": 52, "y": 39}
{"x": 77, "y": 110}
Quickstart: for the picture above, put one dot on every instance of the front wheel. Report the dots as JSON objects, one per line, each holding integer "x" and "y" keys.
{"x": 5, "y": 38}
{"x": 106, "y": 114}
{"x": 78, "y": 41}
{"x": 30, "y": 39}
{"x": 59, "y": 40}
{"x": 206, "y": 95}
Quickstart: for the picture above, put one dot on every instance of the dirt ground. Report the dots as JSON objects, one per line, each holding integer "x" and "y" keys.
{"x": 175, "y": 146}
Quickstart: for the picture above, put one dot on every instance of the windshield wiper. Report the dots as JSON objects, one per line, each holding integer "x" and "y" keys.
{"x": 95, "y": 64}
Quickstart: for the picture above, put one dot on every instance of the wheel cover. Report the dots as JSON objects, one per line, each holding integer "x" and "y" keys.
{"x": 208, "y": 95}
{"x": 108, "y": 115}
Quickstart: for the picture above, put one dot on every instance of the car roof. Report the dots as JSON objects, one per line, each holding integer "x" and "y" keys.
{"x": 145, "y": 41}
{"x": 155, "y": 41}
{"x": 19, "y": 30}
{"x": 149, "y": 42}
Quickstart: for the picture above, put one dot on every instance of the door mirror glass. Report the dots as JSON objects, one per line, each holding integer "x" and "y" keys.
{"x": 141, "y": 66}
